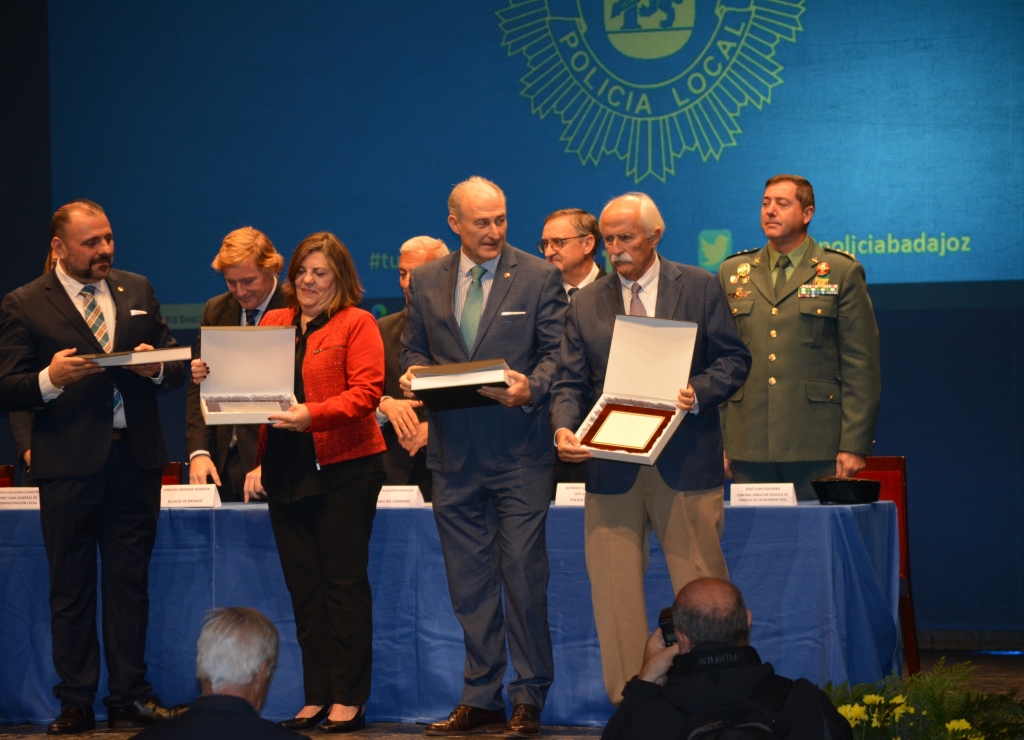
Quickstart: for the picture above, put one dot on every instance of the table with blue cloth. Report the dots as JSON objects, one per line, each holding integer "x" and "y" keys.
{"x": 822, "y": 582}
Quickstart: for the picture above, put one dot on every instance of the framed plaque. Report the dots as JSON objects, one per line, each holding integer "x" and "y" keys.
{"x": 626, "y": 428}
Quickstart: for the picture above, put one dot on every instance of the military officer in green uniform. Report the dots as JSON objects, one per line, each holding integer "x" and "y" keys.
{"x": 809, "y": 405}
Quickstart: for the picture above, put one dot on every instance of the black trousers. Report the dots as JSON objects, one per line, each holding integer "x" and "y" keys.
{"x": 324, "y": 544}
{"x": 115, "y": 509}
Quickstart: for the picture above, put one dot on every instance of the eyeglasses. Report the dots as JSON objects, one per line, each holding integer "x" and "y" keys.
{"x": 556, "y": 243}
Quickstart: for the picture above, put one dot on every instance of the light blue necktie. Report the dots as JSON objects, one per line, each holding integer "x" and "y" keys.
{"x": 473, "y": 307}
{"x": 98, "y": 325}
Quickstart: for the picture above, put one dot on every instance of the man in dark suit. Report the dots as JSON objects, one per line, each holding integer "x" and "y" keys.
{"x": 570, "y": 241}
{"x": 681, "y": 497}
{"x": 97, "y": 457}
{"x": 235, "y": 660}
{"x": 250, "y": 265}
{"x": 403, "y": 421}
{"x": 492, "y": 465}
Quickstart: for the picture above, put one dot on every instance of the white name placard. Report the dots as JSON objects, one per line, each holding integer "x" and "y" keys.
{"x": 189, "y": 497}
{"x": 762, "y": 494}
{"x": 400, "y": 497}
{"x": 570, "y": 494}
{"x": 19, "y": 498}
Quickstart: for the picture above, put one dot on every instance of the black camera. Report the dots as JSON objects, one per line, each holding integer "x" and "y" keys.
{"x": 668, "y": 627}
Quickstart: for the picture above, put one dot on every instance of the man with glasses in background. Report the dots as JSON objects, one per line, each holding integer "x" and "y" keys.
{"x": 570, "y": 241}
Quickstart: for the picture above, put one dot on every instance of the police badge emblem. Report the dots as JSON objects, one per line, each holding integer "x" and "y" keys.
{"x": 648, "y": 80}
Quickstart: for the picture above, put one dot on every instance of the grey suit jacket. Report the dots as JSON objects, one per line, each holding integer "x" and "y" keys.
{"x": 522, "y": 323}
{"x": 692, "y": 461}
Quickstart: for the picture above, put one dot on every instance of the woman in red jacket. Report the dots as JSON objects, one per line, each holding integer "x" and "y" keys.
{"x": 321, "y": 471}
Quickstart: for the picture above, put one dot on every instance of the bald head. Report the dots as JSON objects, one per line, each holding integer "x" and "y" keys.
{"x": 711, "y": 610}
{"x": 474, "y": 185}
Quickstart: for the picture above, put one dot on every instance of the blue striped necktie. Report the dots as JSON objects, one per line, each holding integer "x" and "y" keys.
{"x": 98, "y": 326}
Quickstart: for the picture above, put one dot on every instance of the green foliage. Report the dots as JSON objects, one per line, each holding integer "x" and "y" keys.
{"x": 929, "y": 706}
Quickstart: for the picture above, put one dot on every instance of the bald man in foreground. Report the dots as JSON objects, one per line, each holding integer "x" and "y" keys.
{"x": 710, "y": 669}
{"x": 493, "y": 465}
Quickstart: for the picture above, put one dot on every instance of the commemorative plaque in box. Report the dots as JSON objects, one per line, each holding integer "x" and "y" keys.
{"x": 455, "y": 386}
{"x": 635, "y": 417}
{"x": 252, "y": 373}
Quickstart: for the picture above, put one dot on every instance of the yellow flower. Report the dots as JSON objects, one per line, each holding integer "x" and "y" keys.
{"x": 873, "y": 699}
{"x": 854, "y": 713}
{"x": 898, "y": 699}
{"x": 958, "y": 724}
{"x": 875, "y": 721}
{"x": 900, "y": 711}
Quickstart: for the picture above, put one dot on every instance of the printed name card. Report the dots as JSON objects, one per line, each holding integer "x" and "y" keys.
{"x": 762, "y": 494}
{"x": 189, "y": 497}
{"x": 19, "y": 498}
{"x": 570, "y": 494}
{"x": 400, "y": 497}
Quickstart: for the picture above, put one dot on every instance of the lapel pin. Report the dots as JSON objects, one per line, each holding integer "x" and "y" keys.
{"x": 508, "y": 274}
{"x": 120, "y": 289}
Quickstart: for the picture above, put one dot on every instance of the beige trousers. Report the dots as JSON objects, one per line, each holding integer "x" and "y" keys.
{"x": 689, "y": 527}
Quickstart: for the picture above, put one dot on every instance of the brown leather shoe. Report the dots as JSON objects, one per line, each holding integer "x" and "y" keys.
{"x": 467, "y": 720}
{"x": 525, "y": 721}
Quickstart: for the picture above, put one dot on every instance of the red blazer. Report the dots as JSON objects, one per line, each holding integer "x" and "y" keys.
{"x": 343, "y": 376}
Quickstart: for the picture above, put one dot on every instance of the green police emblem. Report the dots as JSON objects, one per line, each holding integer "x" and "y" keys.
{"x": 648, "y": 80}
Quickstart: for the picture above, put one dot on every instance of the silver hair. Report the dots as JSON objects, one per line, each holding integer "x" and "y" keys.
{"x": 650, "y": 216}
{"x": 455, "y": 199}
{"x": 426, "y": 244}
{"x": 233, "y": 645}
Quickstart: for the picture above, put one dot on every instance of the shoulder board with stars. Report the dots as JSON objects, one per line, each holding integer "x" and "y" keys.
{"x": 851, "y": 255}
{"x": 745, "y": 251}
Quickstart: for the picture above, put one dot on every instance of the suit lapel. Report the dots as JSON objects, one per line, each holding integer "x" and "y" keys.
{"x": 803, "y": 272}
{"x": 499, "y": 289}
{"x": 669, "y": 290}
{"x": 122, "y": 333}
{"x": 447, "y": 296}
{"x": 614, "y": 296}
{"x": 57, "y": 296}
{"x": 761, "y": 275}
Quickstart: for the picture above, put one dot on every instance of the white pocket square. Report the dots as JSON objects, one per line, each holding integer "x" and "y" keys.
{"x": 513, "y": 313}
{"x": 137, "y": 312}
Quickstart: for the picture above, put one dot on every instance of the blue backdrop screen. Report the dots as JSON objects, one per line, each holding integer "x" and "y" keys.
{"x": 187, "y": 119}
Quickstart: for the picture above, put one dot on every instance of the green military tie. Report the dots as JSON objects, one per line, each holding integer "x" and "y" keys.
{"x": 472, "y": 308}
{"x": 780, "y": 277}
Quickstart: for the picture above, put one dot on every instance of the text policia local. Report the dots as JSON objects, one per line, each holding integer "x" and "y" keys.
{"x": 922, "y": 244}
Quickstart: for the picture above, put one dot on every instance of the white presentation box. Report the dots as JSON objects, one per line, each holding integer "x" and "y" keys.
{"x": 400, "y": 497}
{"x": 762, "y": 494}
{"x": 570, "y": 494}
{"x": 252, "y": 373}
{"x": 635, "y": 417}
{"x": 189, "y": 497}
{"x": 19, "y": 498}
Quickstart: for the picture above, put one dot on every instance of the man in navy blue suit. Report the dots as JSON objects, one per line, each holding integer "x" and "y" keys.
{"x": 681, "y": 497}
{"x": 492, "y": 465}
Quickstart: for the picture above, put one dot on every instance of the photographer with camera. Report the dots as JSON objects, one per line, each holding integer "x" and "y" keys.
{"x": 701, "y": 679}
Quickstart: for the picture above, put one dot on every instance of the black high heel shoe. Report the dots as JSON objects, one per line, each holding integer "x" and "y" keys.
{"x": 346, "y": 725}
{"x": 307, "y": 723}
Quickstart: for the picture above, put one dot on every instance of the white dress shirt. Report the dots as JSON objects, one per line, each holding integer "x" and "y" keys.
{"x": 591, "y": 277}
{"x": 648, "y": 283}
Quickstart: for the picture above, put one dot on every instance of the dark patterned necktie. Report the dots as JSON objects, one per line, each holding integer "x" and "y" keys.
{"x": 573, "y": 291}
{"x": 98, "y": 326}
{"x": 250, "y": 316}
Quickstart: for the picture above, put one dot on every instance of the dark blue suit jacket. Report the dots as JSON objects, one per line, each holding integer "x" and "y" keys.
{"x": 692, "y": 461}
{"x": 521, "y": 323}
{"x": 72, "y": 434}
